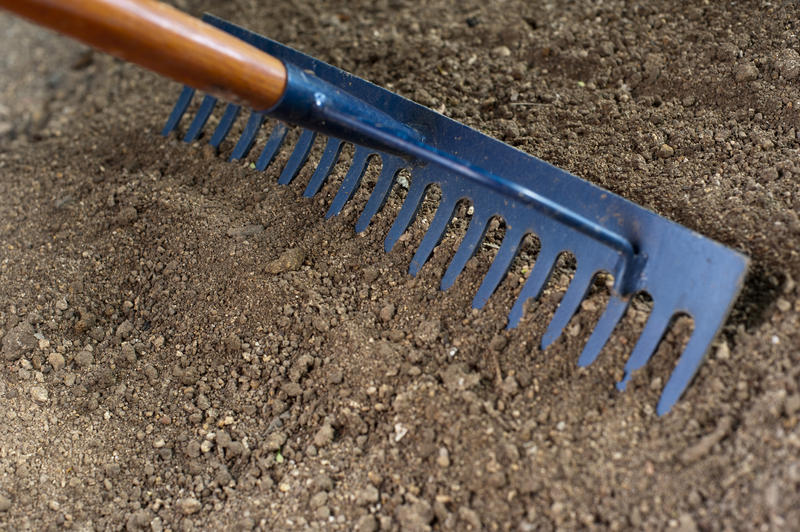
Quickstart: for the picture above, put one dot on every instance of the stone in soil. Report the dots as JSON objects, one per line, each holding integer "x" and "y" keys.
{"x": 275, "y": 441}
{"x": 84, "y": 359}
{"x": 706, "y": 443}
{"x": 56, "y": 360}
{"x": 788, "y": 63}
{"x": 368, "y": 495}
{"x": 387, "y": 312}
{"x": 19, "y": 341}
{"x": 246, "y": 231}
{"x": 416, "y": 516}
{"x": 746, "y": 72}
{"x": 39, "y": 394}
{"x": 189, "y": 506}
{"x": 289, "y": 260}
{"x": 324, "y": 436}
{"x": 429, "y": 330}
{"x": 366, "y": 523}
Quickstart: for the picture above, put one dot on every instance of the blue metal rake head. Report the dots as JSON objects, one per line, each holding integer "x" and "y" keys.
{"x": 682, "y": 271}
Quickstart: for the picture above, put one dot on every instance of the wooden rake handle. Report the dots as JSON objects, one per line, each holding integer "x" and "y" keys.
{"x": 165, "y": 40}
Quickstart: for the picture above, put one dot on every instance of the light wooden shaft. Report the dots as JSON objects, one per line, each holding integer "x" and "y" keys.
{"x": 167, "y": 41}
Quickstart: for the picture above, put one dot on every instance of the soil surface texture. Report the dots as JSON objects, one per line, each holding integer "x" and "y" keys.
{"x": 187, "y": 345}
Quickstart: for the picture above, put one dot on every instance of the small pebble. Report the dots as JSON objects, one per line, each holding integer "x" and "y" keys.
{"x": 125, "y": 329}
{"x": 746, "y": 72}
{"x": 498, "y": 342}
{"x": 275, "y": 441}
{"x": 56, "y": 360}
{"x": 84, "y": 359}
{"x": 387, "y": 312}
{"x": 366, "y": 523}
{"x": 318, "y": 499}
{"x": 39, "y": 394}
{"x": 443, "y": 460}
{"x": 289, "y": 260}
{"x": 246, "y": 231}
{"x": 193, "y": 449}
{"x": 666, "y": 151}
{"x": 128, "y": 352}
{"x": 368, "y": 495}
{"x": 723, "y": 351}
{"x": 189, "y": 506}
{"x": 788, "y": 63}
{"x": 324, "y": 436}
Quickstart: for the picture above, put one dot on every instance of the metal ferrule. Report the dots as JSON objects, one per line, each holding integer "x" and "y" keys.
{"x": 310, "y": 102}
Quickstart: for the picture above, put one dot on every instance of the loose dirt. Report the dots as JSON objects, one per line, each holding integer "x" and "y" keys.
{"x": 187, "y": 345}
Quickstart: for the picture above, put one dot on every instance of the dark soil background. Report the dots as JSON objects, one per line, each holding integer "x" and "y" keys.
{"x": 187, "y": 345}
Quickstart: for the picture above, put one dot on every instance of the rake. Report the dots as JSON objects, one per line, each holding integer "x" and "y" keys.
{"x": 683, "y": 272}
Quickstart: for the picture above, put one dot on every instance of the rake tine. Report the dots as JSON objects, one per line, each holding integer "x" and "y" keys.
{"x": 272, "y": 146}
{"x": 329, "y": 157}
{"x": 469, "y": 244}
{"x": 377, "y": 199}
{"x": 178, "y": 111}
{"x": 225, "y": 124}
{"x": 351, "y": 181}
{"x": 602, "y": 331}
{"x": 686, "y": 367}
{"x": 248, "y": 136}
{"x": 433, "y": 235}
{"x": 200, "y": 119}
{"x": 653, "y": 331}
{"x": 569, "y": 304}
{"x": 542, "y": 269}
{"x": 298, "y": 157}
{"x": 407, "y": 213}
{"x": 499, "y": 268}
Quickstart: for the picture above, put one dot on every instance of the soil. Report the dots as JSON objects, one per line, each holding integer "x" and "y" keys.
{"x": 188, "y": 345}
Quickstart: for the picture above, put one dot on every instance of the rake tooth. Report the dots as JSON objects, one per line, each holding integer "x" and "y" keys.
{"x": 472, "y": 238}
{"x": 298, "y": 157}
{"x": 377, "y": 199}
{"x": 687, "y": 365}
{"x": 351, "y": 181}
{"x": 499, "y": 268}
{"x": 538, "y": 277}
{"x": 178, "y": 111}
{"x": 569, "y": 304}
{"x": 653, "y": 331}
{"x": 433, "y": 235}
{"x": 407, "y": 213}
{"x": 200, "y": 119}
{"x": 248, "y": 136}
{"x": 602, "y": 331}
{"x": 329, "y": 157}
{"x": 272, "y": 146}
{"x": 225, "y": 124}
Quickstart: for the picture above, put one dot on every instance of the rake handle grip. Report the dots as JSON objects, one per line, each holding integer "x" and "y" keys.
{"x": 165, "y": 40}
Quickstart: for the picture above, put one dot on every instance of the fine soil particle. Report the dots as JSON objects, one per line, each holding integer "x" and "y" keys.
{"x": 188, "y": 345}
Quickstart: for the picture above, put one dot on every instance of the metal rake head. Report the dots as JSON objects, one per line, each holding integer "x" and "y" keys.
{"x": 683, "y": 272}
